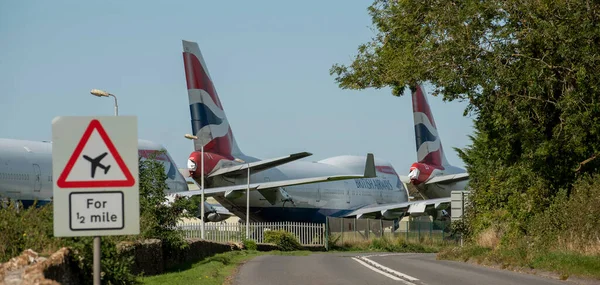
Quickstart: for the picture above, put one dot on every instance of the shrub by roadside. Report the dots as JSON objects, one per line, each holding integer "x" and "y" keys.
{"x": 564, "y": 264}
{"x": 26, "y": 228}
{"x": 398, "y": 244}
{"x": 249, "y": 244}
{"x": 564, "y": 238}
{"x": 286, "y": 241}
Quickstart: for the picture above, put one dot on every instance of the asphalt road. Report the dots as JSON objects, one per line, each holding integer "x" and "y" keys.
{"x": 380, "y": 269}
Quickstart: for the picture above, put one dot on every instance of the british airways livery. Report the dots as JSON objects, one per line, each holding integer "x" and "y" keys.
{"x": 432, "y": 175}
{"x": 284, "y": 188}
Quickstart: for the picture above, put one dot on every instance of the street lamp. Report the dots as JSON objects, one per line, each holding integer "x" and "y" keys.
{"x": 192, "y": 137}
{"x": 247, "y": 198}
{"x": 102, "y": 93}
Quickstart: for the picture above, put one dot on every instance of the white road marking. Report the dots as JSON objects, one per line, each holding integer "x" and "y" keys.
{"x": 381, "y": 272}
{"x": 386, "y": 254}
{"x": 400, "y": 274}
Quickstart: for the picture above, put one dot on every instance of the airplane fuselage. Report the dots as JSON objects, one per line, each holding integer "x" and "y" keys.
{"x": 26, "y": 171}
{"x": 313, "y": 202}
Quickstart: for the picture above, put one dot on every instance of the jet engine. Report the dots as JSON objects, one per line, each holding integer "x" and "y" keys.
{"x": 214, "y": 217}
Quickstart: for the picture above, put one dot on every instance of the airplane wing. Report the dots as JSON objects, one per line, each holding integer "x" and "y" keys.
{"x": 448, "y": 178}
{"x": 398, "y": 209}
{"x": 266, "y": 185}
{"x": 227, "y": 190}
{"x": 242, "y": 169}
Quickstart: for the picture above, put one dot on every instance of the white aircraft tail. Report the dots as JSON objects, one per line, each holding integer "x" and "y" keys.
{"x": 209, "y": 122}
{"x": 429, "y": 145}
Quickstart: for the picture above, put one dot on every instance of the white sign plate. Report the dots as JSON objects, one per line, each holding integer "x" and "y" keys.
{"x": 96, "y": 211}
{"x": 95, "y": 176}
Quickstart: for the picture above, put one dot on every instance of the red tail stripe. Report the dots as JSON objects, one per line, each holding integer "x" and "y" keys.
{"x": 420, "y": 105}
{"x": 197, "y": 78}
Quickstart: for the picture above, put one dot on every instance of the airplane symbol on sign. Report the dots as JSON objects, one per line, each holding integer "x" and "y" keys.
{"x": 96, "y": 163}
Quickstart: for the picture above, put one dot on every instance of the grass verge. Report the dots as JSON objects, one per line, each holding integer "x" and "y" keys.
{"x": 565, "y": 264}
{"x": 568, "y": 264}
{"x": 398, "y": 244}
{"x": 212, "y": 270}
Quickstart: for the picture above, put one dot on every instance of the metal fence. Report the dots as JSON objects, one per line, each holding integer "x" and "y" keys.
{"x": 343, "y": 230}
{"x": 340, "y": 231}
{"x": 307, "y": 233}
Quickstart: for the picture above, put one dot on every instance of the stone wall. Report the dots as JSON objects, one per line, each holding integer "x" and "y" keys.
{"x": 147, "y": 256}
{"x": 266, "y": 247}
{"x": 314, "y": 248}
{"x": 29, "y": 268}
{"x": 152, "y": 258}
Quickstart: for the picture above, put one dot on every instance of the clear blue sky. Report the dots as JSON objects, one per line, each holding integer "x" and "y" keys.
{"x": 269, "y": 61}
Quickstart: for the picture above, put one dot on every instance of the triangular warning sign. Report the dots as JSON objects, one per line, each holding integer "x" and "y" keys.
{"x": 95, "y": 162}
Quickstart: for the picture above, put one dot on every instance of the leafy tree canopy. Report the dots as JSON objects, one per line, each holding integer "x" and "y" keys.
{"x": 530, "y": 73}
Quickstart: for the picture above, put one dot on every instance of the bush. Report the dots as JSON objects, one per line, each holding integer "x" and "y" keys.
{"x": 26, "y": 228}
{"x": 249, "y": 244}
{"x": 115, "y": 267}
{"x": 571, "y": 223}
{"x": 397, "y": 245}
{"x": 286, "y": 241}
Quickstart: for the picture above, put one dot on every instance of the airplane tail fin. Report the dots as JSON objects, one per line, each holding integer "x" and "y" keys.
{"x": 106, "y": 169}
{"x": 209, "y": 122}
{"x": 429, "y": 145}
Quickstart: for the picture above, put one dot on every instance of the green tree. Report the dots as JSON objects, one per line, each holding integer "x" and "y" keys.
{"x": 159, "y": 215}
{"x": 530, "y": 73}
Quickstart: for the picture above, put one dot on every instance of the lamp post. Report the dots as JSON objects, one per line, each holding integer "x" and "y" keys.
{"x": 247, "y": 199}
{"x": 192, "y": 137}
{"x": 248, "y": 203}
{"x": 97, "y": 249}
{"x": 101, "y": 93}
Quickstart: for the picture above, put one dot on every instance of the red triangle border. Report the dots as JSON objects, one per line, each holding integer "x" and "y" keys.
{"x": 95, "y": 124}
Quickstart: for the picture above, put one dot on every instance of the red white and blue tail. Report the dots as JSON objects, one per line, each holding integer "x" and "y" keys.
{"x": 427, "y": 139}
{"x": 209, "y": 122}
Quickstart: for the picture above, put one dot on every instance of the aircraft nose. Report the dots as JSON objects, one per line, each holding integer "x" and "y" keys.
{"x": 414, "y": 175}
{"x": 191, "y": 164}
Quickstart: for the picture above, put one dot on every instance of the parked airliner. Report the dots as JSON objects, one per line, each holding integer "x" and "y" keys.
{"x": 26, "y": 173}
{"x": 432, "y": 175}
{"x": 284, "y": 189}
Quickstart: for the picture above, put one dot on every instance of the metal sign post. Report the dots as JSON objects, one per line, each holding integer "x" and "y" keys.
{"x": 95, "y": 169}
